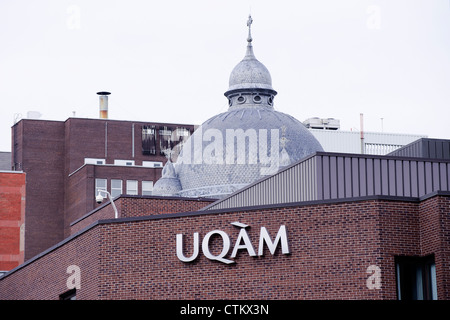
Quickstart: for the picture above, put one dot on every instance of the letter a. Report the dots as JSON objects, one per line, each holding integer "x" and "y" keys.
{"x": 74, "y": 280}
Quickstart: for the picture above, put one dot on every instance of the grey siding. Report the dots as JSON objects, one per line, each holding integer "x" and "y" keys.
{"x": 293, "y": 184}
{"x": 425, "y": 148}
{"x": 347, "y": 176}
{"x": 326, "y": 176}
{"x": 5, "y": 160}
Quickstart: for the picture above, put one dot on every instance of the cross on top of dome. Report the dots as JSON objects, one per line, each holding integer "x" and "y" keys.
{"x": 250, "y": 83}
{"x": 249, "y": 25}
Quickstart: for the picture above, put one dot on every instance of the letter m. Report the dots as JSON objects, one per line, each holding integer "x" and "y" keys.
{"x": 265, "y": 237}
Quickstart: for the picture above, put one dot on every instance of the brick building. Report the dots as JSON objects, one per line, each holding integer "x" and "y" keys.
{"x": 386, "y": 243}
{"x": 12, "y": 219}
{"x": 66, "y": 162}
{"x": 325, "y": 226}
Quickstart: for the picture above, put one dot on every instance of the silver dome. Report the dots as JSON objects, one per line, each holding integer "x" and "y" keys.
{"x": 249, "y": 141}
{"x": 168, "y": 184}
{"x": 238, "y": 147}
{"x": 250, "y": 74}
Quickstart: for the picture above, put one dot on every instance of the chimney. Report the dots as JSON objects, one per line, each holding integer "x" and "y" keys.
{"x": 103, "y": 96}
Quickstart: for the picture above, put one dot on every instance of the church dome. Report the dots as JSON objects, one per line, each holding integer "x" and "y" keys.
{"x": 250, "y": 73}
{"x": 247, "y": 142}
{"x": 238, "y": 147}
{"x": 168, "y": 184}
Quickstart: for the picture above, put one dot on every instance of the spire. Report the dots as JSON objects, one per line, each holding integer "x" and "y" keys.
{"x": 249, "y": 54}
{"x": 252, "y": 76}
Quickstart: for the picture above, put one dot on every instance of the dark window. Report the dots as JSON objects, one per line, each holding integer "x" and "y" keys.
{"x": 416, "y": 278}
{"x": 165, "y": 139}
{"x": 69, "y": 295}
{"x": 148, "y": 140}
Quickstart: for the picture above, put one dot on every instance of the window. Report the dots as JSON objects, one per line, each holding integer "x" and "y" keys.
{"x": 116, "y": 187}
{"x": 148, "y": 140}
{"x": 257, "y": 99}
{"x": 94, "y": 161}
{"x": 147, "y": 188}
{"x": 100, "y": 184}
{"x": 124, "y": 162}
{"x": 69, "y": 295}
{"x": 165, "y": 139}
{"x": 416, "y": 278}
{"x": 132, "y": 187}
{"x": 152, "y": 164}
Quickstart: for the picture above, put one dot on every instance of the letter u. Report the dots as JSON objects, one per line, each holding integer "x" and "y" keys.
{"x": 180, "y": 254}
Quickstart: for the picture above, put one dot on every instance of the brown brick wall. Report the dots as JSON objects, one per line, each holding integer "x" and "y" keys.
{"x": 130, "y": 206}
{"x": 41, "y": 145}
{"x": 435, "y": 238}
{"x": 80, "y": 192}
{"x": 49, "y": 151}
{"x": 331, "y": 246}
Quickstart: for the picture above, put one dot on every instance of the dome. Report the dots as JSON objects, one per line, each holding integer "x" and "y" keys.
{"x": 250, "y": 73}
{"x": 247, "y": 142}
{"x": 168, "y": 184}
{"x": 238, "y": 147}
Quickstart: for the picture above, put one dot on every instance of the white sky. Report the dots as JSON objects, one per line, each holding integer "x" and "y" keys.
{"x": 169, "y": 61}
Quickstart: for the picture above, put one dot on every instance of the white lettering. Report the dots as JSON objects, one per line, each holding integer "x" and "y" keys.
{"x": 180, "y": 254}
{"x": 74, "y": 280}
{"x": 226, "y": 246}
{"x": 242, "y": 242}
{"x": 247, "y": 244}
{"x": 197, "y": 310}
{"x": 374, "y": 281}
{"x": 264, "y": 237}
{"x": 240, "y": 146}
{"x": 274, "y": 159}
{"x": 213, "y": 152}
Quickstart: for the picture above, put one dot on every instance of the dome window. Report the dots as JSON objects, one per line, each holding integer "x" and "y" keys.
{"x": 257, "y": 99}
{"x": 270, "y": 100}
{"x": 241, "y": 99}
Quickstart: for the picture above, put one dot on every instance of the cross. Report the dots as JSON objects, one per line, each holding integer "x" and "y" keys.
{"x": 249, "y": 21}
{"x": 249, "y": 24}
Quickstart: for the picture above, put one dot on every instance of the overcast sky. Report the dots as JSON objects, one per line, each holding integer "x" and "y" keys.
{"x": 169, "y": 61}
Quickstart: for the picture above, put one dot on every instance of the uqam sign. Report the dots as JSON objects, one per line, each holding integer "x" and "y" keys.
{"x": 242, "y": 243}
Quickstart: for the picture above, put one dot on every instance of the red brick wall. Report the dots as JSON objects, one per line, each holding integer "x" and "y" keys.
{"x": 12, "y": 218}
{"x": 41, "y": 148}
{"x": 331, "y": 247}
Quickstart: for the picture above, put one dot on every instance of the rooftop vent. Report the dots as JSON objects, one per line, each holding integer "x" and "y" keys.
{"x": 103, "y": 96}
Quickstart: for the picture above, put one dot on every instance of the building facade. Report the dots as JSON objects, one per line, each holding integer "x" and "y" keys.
{"x": 12, "y": 219}
{"x": 66, "y": 162}
{"x": 375, "y": 245}
{"x": 371, "y": 248}
{"x": 323, "y": 225}
{"x": 333, "y": 139}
